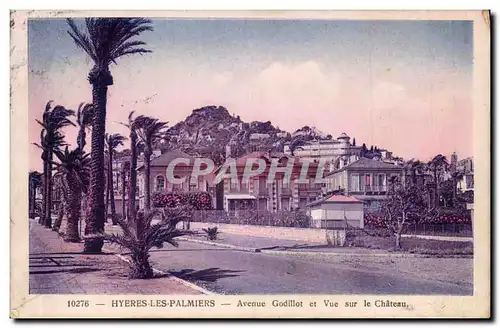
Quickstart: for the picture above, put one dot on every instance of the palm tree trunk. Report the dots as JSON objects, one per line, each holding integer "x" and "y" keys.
{"x": 147, "y": 173}
{"x": 31, "y": 197}
{"x": 109, "y": 186}
{"x": 63, "y": 205}
{"x": 41, "y": 220}
{"x": 141, "y": 268}
{"x": 74, "y": 209}
{"x": 111, "y": 189}
{"x": 48, "y": 214}
{"x": 94, "y": 224}
{"x": 133, "y": 175}
{"x": 436, "y": 195}
{"x": 124, "y": 196}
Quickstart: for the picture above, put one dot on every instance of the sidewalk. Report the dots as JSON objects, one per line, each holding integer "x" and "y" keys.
{"x": 57, "y": 267}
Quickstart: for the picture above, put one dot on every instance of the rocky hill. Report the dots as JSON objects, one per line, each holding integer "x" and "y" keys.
{"x": 208, "y": 130}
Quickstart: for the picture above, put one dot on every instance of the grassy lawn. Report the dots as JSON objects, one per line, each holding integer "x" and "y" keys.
{"x": 411, "y": 245}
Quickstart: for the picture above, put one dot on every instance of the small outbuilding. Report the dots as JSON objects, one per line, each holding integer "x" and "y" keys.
{"x": 332, "y": 212}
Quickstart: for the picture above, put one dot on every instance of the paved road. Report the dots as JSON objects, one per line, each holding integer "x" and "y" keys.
{"x": 228, "y": 271}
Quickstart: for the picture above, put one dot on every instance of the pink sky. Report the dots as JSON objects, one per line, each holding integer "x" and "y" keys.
{"x": 414, "y": 111}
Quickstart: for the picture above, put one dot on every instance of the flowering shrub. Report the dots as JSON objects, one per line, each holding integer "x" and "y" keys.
{"x": 374, "y": 220}
{"x": 441, "y": 215}
{"x": 449, "y": 215}
{"x": 199, "y": 200}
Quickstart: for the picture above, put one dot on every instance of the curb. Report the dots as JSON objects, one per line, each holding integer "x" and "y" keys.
{"x": 179, "y": 280}
{"x": 442, "y": 238}
{"x": 205, "y": 242}
{"x": 285, "y": 252}
{"x": 343, "y": 254}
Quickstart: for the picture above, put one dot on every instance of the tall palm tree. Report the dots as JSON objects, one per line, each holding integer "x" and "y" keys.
{"x": 112, "y": 142}
{"x": 84, "y": 117}
{"x": 104, "y": 41}
{"x": 51, "y": 138}
{"x": 63, "y": 187}
{"x": 34, "y": 180}
{"x": 150, "y": 131}
{"x": 74, "y": 167}
{"x": 132, "y": 184}
{"x": 125, "y": 169}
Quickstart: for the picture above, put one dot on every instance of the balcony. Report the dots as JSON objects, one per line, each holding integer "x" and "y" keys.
{"x": 374, "y": 190}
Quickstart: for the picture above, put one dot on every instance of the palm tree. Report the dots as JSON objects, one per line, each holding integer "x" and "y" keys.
{"x": 112, "y": 142}
{"x": 140, "y": 235}
{"x": 437, "y": 164}
{"x": 35, "y": 180}
{"x": 132, "y": 184}
{"x": 125, "y": 170}
{"x": 74, "y": 167}
{"x": 415, "y": 167}
{"x": 84, "y": 117}
{"x": 104, "y": 41}
{"x": 62, "y": 185}
{"x": 150, "y": 131}
{"x": 51, "y": 138}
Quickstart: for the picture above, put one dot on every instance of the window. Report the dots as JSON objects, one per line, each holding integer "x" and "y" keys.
{"x": 262, "y": 184}
{"x": 193, "y": 184}
{"x": 368, "y": 179}
{"x": 285, "y": 204}
{"x": 469, "y": 181}
{"x": 354, "y": 182}
{"x": 160, "y": 183}
{"x": 177, "y": 186}
{"x": 381, "y": 180}
{"x": 286, "y": 184}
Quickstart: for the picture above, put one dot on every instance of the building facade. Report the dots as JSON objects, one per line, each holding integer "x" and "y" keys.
{"x": 259, "y": 192}
{"x": 366, "y": 179}
{"x": 466, "y": 168}
{"x": 161, "y": 178}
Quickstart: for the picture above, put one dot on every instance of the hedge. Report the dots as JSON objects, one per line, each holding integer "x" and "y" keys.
{"x": 199, "y": 200}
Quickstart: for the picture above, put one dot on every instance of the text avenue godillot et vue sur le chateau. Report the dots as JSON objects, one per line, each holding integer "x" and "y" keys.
{"x": 274, "y": 303}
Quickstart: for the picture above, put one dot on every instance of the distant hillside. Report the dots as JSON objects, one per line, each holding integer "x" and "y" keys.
{"x": 209, "y": 129}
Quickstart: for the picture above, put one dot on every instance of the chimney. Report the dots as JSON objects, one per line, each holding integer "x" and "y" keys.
{"x": 228, "y": 151}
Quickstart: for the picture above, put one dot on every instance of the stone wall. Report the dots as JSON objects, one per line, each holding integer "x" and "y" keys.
{"x": 309, "y": 235}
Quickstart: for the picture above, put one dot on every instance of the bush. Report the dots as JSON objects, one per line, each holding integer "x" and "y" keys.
{"x": 211, "y": 233}
{"x": 297, "y": 219}
{"x": 437, "y": 216}
{"x": 449, "y": 215}
{"x": 198, "y": 200}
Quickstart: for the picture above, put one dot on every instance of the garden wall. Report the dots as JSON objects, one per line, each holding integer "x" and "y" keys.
{"x": 310, "y": 235}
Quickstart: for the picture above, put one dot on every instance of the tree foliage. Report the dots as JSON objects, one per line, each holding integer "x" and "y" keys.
{"x": 141, "y": 235}
{"x": 405, "y": 204}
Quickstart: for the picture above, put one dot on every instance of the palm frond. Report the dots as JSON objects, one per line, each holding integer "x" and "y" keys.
{"x": 107, "y": 39}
